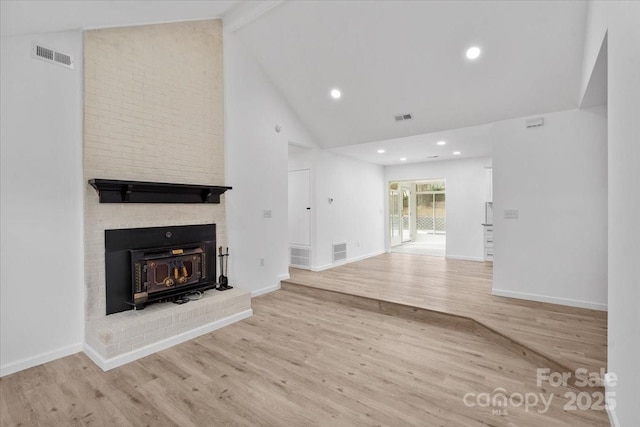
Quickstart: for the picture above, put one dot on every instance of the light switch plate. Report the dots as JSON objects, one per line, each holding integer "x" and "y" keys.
{"x": 511, "y": 213}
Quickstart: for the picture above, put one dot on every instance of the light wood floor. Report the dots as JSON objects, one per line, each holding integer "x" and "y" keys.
{"x": 574, "y": 337}
{"x": 298, "y": 361}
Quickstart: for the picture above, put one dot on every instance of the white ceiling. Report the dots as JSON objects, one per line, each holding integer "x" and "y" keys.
{"x": 27, "y": 17}
{"x": 596, "y": 91}
{"x": 474, "y": 141}
{"x": 408, "y": 57}
{"x": 387, "y": 57}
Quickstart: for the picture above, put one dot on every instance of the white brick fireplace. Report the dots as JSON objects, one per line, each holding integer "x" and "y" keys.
{"x": 153, "y": 111}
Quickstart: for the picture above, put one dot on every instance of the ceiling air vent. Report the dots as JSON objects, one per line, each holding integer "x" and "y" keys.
{"x": 51, "y": 55}
{"x": 401, "y": 117}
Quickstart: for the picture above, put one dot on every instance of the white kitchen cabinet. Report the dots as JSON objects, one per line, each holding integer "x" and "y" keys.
{"x": 488, "y": 243}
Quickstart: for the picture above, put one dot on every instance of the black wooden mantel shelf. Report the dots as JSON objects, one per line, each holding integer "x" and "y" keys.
{"x": 118, "y": 191}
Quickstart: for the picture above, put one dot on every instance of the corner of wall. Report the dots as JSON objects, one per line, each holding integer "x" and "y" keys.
{"x": 257, "y": 167}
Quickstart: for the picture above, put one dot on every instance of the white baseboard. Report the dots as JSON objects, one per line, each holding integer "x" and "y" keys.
{"x": 123, "y": 359}
{"x": 611, "y": 408}
{"x": 30, "y": 362}
{"x": 282, "y": 277}
{"x": 464, "y": 258}
{"x": 347, "y": 261}
{"x": 365, "y": 256}
{"x": 300, "y": 267}
{"x": 266, "y": 290}
{"x": 326, "y": 266}
{"x": 549, "y": 299}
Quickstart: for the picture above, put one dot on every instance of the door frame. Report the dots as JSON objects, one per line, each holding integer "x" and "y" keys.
{"x": 394, "y": 240}
{"x": 411, "y": 185}
{"x": 406, "y": 188}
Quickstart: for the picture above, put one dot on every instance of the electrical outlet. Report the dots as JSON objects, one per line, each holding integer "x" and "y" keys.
{"x": 261, "y": 262}
{"x": 511, "y": 213}
{"x": 266, "y": 213}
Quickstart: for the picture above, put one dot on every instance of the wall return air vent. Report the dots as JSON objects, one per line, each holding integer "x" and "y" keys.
{"x": 51, "y": 55}
{"x": 300, "y": 257}
{"x": 339, "y": 251}
{"x": 401, "y": 117}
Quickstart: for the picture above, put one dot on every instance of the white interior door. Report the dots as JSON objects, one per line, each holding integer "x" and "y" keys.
{"x": 299, "y": 208}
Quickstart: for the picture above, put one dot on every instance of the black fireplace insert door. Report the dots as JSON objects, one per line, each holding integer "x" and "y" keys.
{"x": 145, "y": 265}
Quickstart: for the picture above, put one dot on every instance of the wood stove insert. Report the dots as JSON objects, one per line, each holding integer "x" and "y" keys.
{"x": 145, "y": 265}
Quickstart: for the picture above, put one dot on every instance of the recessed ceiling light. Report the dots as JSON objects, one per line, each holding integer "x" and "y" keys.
{"x": 335, "y": 93}
{"x": 380, "y": 151}
{"x": 456, "y": 152}
{"x": 473, "y": 52}
{"x": 403, "y": 159}
{"x": 441, "y": 142}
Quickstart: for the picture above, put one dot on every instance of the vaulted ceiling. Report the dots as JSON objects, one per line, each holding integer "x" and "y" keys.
{"x": 42, "y": 16}
{"x": 387, "y": 58}
{"x": 391, "y": 57}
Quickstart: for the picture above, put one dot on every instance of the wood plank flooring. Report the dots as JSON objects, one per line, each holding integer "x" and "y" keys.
{"x": 574, "y": 337}
{"x": 299, "y": 361}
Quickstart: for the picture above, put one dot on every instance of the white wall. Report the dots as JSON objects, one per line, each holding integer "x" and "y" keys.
{"x": 256, "y": 168}
{"x": 465, "y": 195}
{"x": 356, "y": 215}
{"x": 301, "y": 159}
{"x": 556, "y": 176}
{"x": 41, "y": 281}
{"x": 620, "y": 20}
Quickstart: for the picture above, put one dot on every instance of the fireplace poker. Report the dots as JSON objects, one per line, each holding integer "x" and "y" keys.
{"x": 226, "y": 264}
{"x": 223, "y": 280}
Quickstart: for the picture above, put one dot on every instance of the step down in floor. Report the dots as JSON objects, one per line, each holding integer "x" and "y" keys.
{"x": 438, "y": 318}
